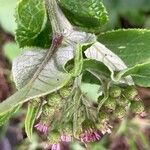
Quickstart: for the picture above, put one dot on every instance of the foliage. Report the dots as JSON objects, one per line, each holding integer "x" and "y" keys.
{"x": 62, "y": 67}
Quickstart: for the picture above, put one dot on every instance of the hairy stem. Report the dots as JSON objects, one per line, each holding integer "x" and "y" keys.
{"x": 60, "y": 24}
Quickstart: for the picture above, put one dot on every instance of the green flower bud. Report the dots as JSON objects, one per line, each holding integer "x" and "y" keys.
{"x": 53, "y": 137}
{"x": 115, "y": 91}
{"x": 123, "y": 101}
{"x": 67, "y": 129}
{"x": 54, "y": 100}
{"x": 103, "y": 117}
{"x": 130, "y": 92}
{"x": 65, "y": 92}
{"x": 110, "y": 104}
{"x": 47, "y": 110}
{"x": 120, "y": 112}
{"x": 137, "y": 107}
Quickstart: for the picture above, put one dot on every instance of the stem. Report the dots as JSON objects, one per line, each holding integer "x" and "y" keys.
{"x": 60, "y": 24}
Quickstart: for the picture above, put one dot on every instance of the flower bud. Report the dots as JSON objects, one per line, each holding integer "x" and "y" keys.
{"x": 54, "y": 100}
{"x": 115, "y": 91}
{"x": 137, "y": 107}
{"x": 123, "y": 101}
{"x": 103, "y": 117}
{"x": 65, "y": 92}
{"x": 130, "y": 92}
{"x": 54, "y": 137}
{"x": 120, "y": 112}
{"x": 48, "y": 111}
{"x": 68, "y": 129}
{"x": 110, "y": 104}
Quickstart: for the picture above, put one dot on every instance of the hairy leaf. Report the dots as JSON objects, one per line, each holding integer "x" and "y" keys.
{"x": 4, "y": 117}
{"x": 100, "y": 53}
{"x": 140, "y": 74}
{"x": 31, "y": 20}
{"x": 37, "y": 73}
{"x": 132, "y": 45}
{"x": 33, "y": 109}
{"x": 89, "y": 13}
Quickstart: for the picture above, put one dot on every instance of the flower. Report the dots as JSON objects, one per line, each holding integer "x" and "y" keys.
{"x": 90, "y": 136}
{"x": 55, "y": 147}
{"x": 66, "y": 138}
{"x": 42, "y": 127}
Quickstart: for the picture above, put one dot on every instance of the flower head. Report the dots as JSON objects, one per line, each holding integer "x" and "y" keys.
{"x": 66, "y": 138}
{"x": 90, "y": 136}
{"x": 42, "y": 127}
{"x": 55, "y": 147}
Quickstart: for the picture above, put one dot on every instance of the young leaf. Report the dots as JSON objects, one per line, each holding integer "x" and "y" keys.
{"x": 132, "y": 45}
{"x": 100, "y": 53}
{"x": 31, "y": 20}
{"x": 33, "y": 109}
{"x": 4, "y": 117}
{"x": 89, "y": 13}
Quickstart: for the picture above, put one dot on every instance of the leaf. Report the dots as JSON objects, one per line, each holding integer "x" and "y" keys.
{"x": 89, "y": 13}
{"x": 33, "y": 109}
{"x": 7, "y": 19}
{"x": 31, "y": 20}
{"x": 78, "y": 61}
{"x": 4, "y": 117}
{"x": 100, "y": 53}
{"x": 131, "y": 45}
{"x": 91, "y": 64}
{"x": 38, "y": 73}
{"x": 92, "y": 91}
{"x": 140, "y": 74}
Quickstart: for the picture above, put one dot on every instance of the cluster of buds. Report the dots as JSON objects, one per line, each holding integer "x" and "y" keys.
{"x": 116, "y": 105}
{"x": 120, "y": 99}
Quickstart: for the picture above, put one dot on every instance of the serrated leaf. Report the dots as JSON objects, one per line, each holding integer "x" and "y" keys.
{"x": 100, "y": 53}
{"x": 4, "y": 117}
{"x": 31, "y": 20}
{"x": 89, "y": 13}
{"x": 132, "y": 45}
{"x": 33, "y": 109}
{"x": 38, "y": 73}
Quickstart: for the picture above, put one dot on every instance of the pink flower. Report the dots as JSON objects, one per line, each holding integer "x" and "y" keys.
{"x": 66, "y": 138}
{"x": 42, "y": 127}
{"x": 55, "y": 147}
{"x": 90, "y": 136}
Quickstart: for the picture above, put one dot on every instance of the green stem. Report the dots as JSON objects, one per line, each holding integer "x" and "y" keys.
{"x": 60, "y": 24}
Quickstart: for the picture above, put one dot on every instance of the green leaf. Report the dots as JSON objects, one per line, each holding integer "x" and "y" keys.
{"x": 31, "y": 20}
{"x": 4, "y": 117}
{"x": 38, "y": 73}
{"x": 89, "y": 13}
{"x": 100, "y": 53}
{"x": 132, "y": 45}
{"x": 7, "y": 19}
{"x": 78, "y": 61}
{"x": 92, "y": 91}
{"x": 140, "y": 74}
{"x": 33, "y": 109}
{"x": 91, "y": 64}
